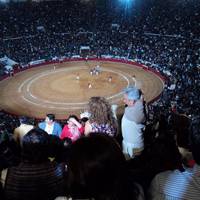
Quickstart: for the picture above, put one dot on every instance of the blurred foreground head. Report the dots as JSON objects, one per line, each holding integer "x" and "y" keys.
{"x": 35, "y": 146}
{"x": 96, "y": 168}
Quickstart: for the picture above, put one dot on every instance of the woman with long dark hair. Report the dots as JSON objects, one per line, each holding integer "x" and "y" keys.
{"x": 101, "y": 119}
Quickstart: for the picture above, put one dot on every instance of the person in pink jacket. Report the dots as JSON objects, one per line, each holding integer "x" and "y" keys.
{"x": 73, "y": 129}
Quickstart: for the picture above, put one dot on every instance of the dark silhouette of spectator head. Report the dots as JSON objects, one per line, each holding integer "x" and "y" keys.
{"x": 72, "y": 116}
{"x": 50, "y": 118}
{"x": 67, "y": 142}
{"x": 195, "y": 139}
{"x": 35, "y": 146}
{"x": 84, "y": 120}
{"x": 35, "y": 177}
{"x": 9, "y": 153}
{"x": 96, "y": 168}
{"x": 24, "y": 120}
{"x": 163, "y": 154}
{"x": 56, "y": 146}
{"x": 181, "y": 124}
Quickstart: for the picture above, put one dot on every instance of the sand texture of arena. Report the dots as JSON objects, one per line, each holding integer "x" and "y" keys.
{"x": 62, "y": 88}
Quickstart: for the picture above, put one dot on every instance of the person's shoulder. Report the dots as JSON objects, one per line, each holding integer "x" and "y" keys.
{"x": 63, "y": 198}
{"x": 167, "y": 173}
{"x": 65, "y": 126}
{"x": 41, "y": 123}
{"x": 141, "y": 195}
{"x": 139, "y": 104}
{"x": 57, "y": 123}
{"x": 172, "y": 176}
{"x": 28, "y": 126}
{"x": 88, "y": 123}
{"x": 70, "y": 198}
{"x": 16, "y": 129}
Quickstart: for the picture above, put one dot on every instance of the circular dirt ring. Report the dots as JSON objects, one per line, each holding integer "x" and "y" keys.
{"x": 55, "y": 88}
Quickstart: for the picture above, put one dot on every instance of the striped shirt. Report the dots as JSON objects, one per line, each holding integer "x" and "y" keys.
{"x": 34, "y": 181}
{"x": 176, "y": 185}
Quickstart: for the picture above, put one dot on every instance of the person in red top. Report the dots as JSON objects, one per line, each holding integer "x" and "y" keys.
{"x": 73, "y": 129}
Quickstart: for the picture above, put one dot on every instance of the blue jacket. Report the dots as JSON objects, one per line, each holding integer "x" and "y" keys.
{"x": 57, "y": 129}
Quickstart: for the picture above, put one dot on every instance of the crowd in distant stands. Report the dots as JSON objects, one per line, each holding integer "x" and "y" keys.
{"x": 163, "y": 39}
{"x": 164, "y": 35}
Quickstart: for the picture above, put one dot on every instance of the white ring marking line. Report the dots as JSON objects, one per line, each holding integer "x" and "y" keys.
{"x": 46, "y": 106}
{"x": 62, "y": 103}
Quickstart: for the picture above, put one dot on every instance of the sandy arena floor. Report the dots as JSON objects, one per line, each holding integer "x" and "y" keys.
{"x": 55, "y": 89}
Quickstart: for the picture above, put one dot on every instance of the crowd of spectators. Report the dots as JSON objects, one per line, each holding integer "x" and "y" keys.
{"x": 163, "y": 35}
{"x": 165, "y": 39}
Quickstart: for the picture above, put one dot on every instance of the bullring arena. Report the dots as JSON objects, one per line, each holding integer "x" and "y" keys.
{"x": 63, "y": 87}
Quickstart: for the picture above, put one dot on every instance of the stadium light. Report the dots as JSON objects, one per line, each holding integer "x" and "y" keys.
{"x": 127, "y": 6}
{"x": 127, "y": 2}
{"x": 4, "y": 1}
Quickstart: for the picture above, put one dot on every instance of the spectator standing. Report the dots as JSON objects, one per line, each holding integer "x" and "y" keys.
{"x": 133, "y": 123}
